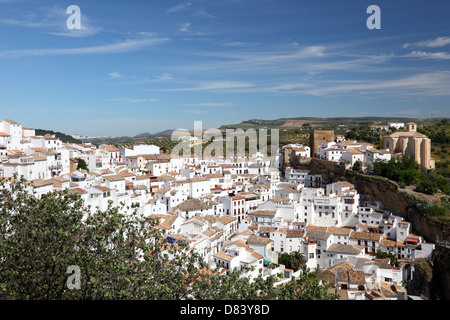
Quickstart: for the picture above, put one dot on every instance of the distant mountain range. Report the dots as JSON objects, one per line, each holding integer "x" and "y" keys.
{"x": 148, "y": 134}
{"x": 307, "y": 123}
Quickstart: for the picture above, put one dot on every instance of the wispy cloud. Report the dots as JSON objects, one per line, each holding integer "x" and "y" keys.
{"x": 80, "y": 110}
{"x": 435, "y": 43}
{"x": 164, "y": 77}
{"x": 215, "y": 85}
{"x": 428, "y": 55}
{"x": 117, "y": 75}
{"x": 52, "y": 20}
{"x": 193, "y": 111}
{"x": 409, "y": 112}
{"x": 179, "y": 7}
{"x": 127, "y": 45}
{"x": 246, "y": 59}
{"x": 184, "y": 27}
{"x": 133, "y": 100}
{"x": 424, "y": 84}
{"x": 209, "y": 104}
{"x": 240, "y": 44}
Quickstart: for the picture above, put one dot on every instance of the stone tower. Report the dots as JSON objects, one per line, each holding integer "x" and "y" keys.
{"x": 317, "y": 137}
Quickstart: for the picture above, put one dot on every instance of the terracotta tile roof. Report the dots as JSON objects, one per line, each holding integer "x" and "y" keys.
{"x": 227, "y": 219}
{"x": 142, "y": 177}
{"x": 355, "y": 151}
{"x": 356, "y": 276}
{"x": 387, "y": 243}
{"x": 253, "y": 239}
{"x": 102, "y": 188}
{"x": 114, "y": 177}
{"x": 342, "y": 266}
{"x": 193, "y": 205}
{"x": 311, "y": 227}
{"x": 267, "y": 229}
{"x": 40, "y": 183}
{"x": 111, "y": 148}
{"x": 366, "y": 236}
{"x": 344, "y": 248}
{"x": 407, "y": 134}
{"x": 339, "y": 230}
{"x": 262, "y": 213}
{"x": 223, "y": 256}
{"x": 345, "y": 184}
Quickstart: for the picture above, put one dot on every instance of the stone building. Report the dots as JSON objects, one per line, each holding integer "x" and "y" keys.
{"x": 412, "y": 143}
{"x": 317, "y": 137}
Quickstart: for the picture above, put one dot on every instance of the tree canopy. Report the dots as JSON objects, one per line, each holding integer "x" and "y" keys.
{"x": 118, "y": 257}
{"x": 407, "y": 171}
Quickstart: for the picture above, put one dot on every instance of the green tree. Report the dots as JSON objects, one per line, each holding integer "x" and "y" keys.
{"x": 283, "y": 258}
{"x": 296, "y": 260}
{"x": 426, "y": 185}
{"x": 82, "y": 164}
{"x": 383, "y": 255}
{"x": 306, "y": 287}
{"x": 118, "y": 256}
{"x": 357, "y": 166}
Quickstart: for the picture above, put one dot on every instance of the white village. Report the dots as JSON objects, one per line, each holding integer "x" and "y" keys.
{"x": 236, "y": 213}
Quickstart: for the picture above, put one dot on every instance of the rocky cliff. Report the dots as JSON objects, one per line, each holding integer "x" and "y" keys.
{"x": 399, "y": 201}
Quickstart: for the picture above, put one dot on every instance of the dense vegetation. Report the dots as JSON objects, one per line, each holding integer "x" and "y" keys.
{"x": 82, "y": 164}
{"x": 61, "y": 136}
{"x": 407, "y": 171}
{"x": 364, "y": 133}
{"x": 439, "y": 133}
{"x": 45, "y": 241}
{"x": 293, "y": 260}
{"x": 392, "y": 258}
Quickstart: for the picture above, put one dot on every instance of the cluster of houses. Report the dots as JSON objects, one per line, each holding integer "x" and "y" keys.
{"x": 350, "y": 152}
{"x": 407, "y": 142}
{"x": 238, "y": 213}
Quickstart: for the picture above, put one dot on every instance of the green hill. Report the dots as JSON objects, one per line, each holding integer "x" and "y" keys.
{"x": 61, "y": 136}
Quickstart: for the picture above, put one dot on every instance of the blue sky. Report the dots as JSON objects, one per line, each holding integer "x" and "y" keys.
{"x": 147, "y": 66}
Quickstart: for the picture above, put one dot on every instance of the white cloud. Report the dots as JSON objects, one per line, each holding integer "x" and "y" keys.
{"x": 193, "y": 111}
{"x": 53, "y": 21}
{"x": 179, "y": 7}
{"x": 127, "y": 45}
{"x": 260, "y": 61}
{"x": 22, "y": 23}
{"x": 410, "y": 112}
{"x": 133, "y": 100}
{"x": 184, "y": 27}
{"x": 240, "y": 44}
{"x": 424, "y": 84}
{"x": 164, "y": 76}
{"x": 216, "y": 85}
{"x": 435, "y": 43}
{"x": 117, "y": 75}
{"x": 428, "y": 55}
{"x": 210, "y": 104}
